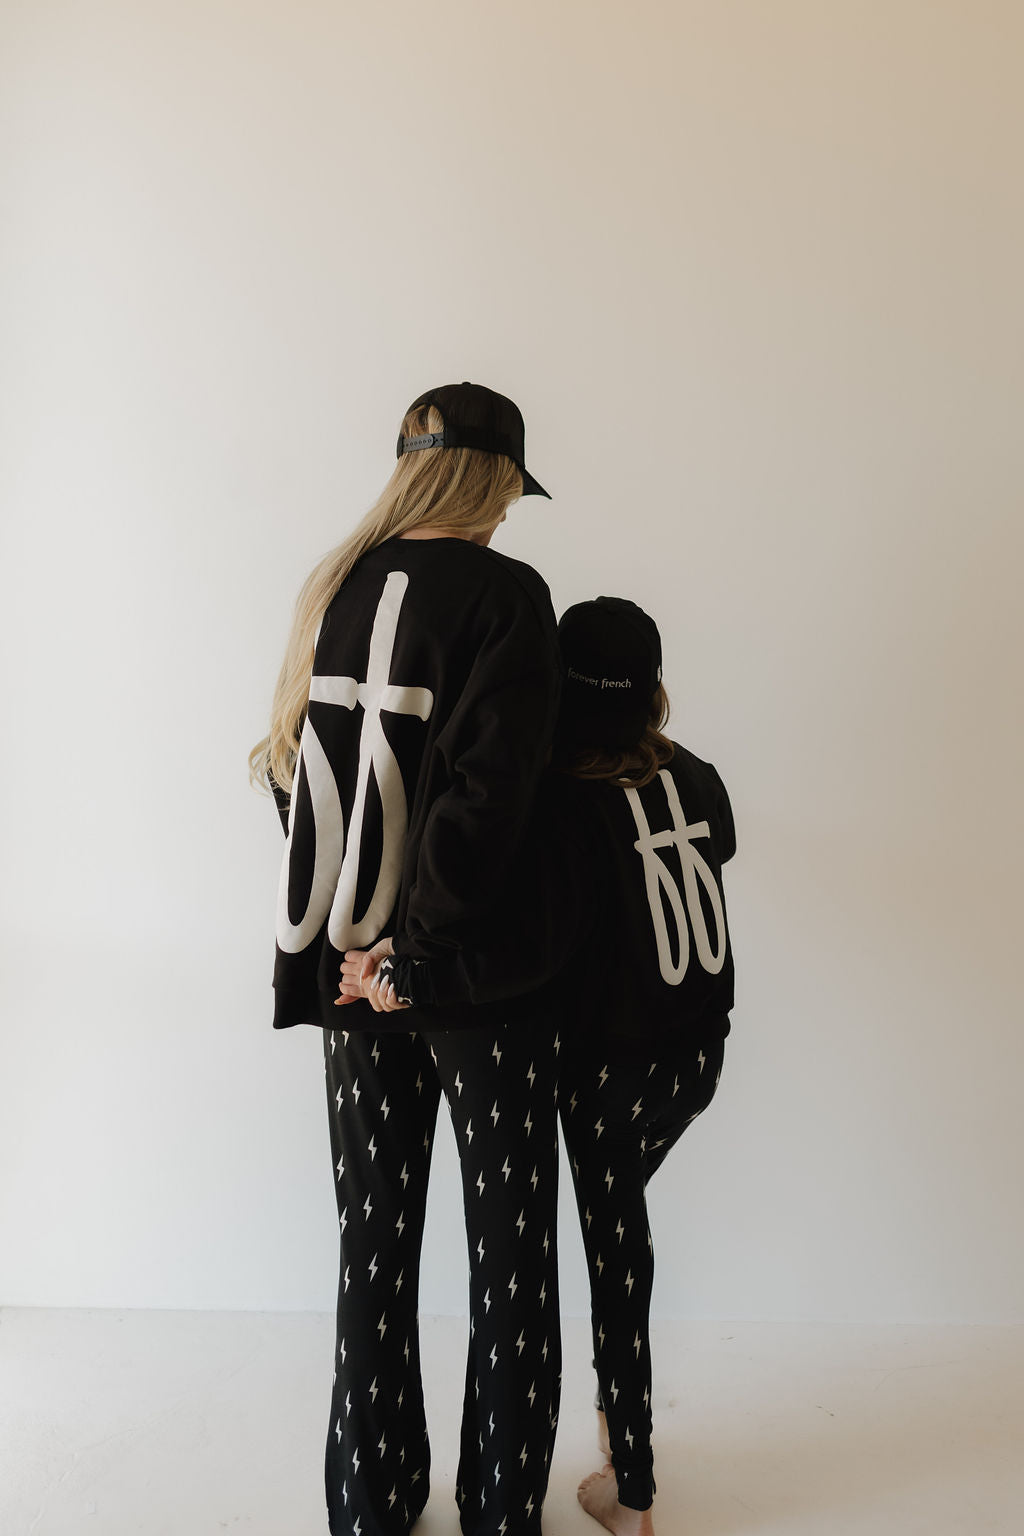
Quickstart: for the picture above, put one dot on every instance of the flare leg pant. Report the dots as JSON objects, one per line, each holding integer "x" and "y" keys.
{"x": 619, "y": 1121}
{"x": 383, "y": 1093}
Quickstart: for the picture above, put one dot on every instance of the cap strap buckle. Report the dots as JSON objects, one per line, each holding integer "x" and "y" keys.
{"x": 425, "y": 440}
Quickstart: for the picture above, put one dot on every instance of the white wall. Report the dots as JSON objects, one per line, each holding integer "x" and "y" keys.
{"x": 753, "y": 272}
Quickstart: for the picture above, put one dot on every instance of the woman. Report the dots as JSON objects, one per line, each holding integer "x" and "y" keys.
{"x": 411, "y": 722}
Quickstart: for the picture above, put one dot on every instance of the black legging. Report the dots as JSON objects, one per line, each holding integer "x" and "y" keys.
{"x": 383, "y": 1092}
{"x": 619, "y": 1121}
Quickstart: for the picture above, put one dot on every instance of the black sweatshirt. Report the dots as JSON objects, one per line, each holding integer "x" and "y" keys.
{"x": 633, "y": 903}
{"x": 431, "y": 710}
{"x": 657, "y": 967}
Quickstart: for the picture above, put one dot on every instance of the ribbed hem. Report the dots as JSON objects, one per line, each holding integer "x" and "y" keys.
{"x": 636, "y": 1485}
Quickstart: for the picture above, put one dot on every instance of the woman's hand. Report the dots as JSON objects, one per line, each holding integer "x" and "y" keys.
{"x": 360, "y": 977}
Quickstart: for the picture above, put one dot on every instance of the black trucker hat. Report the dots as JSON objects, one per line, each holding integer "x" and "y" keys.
{"x": 611, "y": 665}
{"x": 476, "y": 417}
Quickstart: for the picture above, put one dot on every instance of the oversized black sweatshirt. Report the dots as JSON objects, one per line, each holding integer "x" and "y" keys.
{"x": 431, "y": 709}
{"x": 656, "y": 968}
{"x": 634, "y": 904}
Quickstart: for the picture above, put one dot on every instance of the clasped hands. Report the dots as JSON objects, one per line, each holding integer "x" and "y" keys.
{"x": 361, "y": 977}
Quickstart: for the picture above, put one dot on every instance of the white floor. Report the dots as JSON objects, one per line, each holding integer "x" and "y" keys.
{"x": 195, "y": 1424}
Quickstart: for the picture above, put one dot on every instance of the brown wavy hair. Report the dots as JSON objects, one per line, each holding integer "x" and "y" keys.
{"x": 629, "y": 767}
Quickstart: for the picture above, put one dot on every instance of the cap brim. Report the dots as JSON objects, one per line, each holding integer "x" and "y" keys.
{"x": 532, "y": 487}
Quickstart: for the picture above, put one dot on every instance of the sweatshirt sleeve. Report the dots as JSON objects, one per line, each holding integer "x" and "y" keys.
{"x": 537, "y": 926}
{"x": 492, "y": 753}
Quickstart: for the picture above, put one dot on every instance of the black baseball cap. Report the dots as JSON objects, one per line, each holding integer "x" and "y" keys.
{"x": 611, "y": 666}
{"x": 476, "y": 417}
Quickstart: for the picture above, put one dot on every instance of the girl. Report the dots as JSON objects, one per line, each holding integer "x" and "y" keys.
{"x": 412, "y": 719}
{"x": 650, "y": 996}
{"x": 648, "y": 989}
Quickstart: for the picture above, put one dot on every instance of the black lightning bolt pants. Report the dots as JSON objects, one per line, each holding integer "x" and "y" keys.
{"x": 383, "y": 1094}
{"x": 619, "y": 1120}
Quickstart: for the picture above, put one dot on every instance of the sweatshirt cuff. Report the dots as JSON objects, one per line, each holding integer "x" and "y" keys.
{"x": 411, "y": 979}
{"x": 436, "y": 982}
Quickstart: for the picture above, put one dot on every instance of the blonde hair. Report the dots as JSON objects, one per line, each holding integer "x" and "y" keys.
{"x": 462, "y": 490}
{"x": 631, "y": 767}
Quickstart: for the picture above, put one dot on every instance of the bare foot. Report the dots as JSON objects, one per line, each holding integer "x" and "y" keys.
{"x": 603, "y": 1443}
{"x": 599, "y": 1496}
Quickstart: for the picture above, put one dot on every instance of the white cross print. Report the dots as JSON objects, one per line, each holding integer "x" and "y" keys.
{"x": 335, "y": 858}
{"x": 659, "y": 881}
